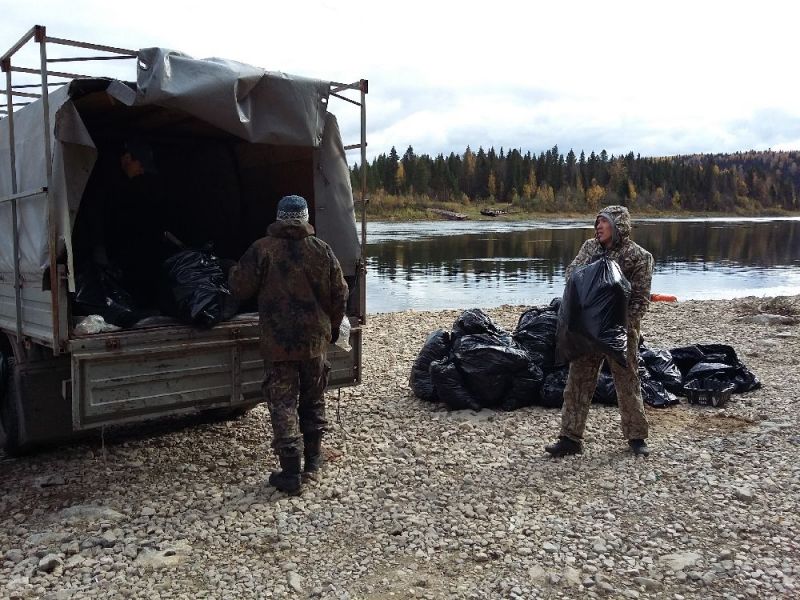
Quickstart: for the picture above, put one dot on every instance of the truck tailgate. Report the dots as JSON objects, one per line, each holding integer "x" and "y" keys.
{"x": 136, "y": 374}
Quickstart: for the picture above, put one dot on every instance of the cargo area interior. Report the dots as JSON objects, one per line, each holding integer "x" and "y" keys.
{"x": 223, "y": 190}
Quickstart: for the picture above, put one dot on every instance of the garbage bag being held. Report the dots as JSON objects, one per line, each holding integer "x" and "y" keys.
{"x": 594, "y": 313}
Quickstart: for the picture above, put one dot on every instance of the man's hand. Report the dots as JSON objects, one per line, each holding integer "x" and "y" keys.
{"x": 335, "y": 336}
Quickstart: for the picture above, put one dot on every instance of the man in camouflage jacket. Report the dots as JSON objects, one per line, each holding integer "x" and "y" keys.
{"x": 302, "y": 296}
{"x": 612, "y": 238}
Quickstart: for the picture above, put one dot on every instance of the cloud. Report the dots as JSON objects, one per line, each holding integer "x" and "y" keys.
{"x": 622, "y": 75}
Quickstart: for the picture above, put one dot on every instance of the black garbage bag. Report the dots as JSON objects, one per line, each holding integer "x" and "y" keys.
{"x": 199, "y": 287}
{"x": 704, "y": 370}
{"x": 656, "y": 395}
{"x": 524, "y": 390}
{"x": 436, "y": 347}
{"x": 732, "y": 369}
{"x": 606, "y": 391}
{"x": 473, "y": 321}
{"x": 99, "y": 291}
{"x": 536, "y": 332}
{"x": 552, "y": 393}
{"x": 450, "y": 387}
{"x": 686, "y": 357}
{"x": 745, "y": 380}
{"x": 488, "y": 363}
{"x": 662, "y": 368}
{"x": 594, "y": 313}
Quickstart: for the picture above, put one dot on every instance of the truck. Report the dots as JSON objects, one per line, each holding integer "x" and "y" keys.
{"x": 230, "y": 140}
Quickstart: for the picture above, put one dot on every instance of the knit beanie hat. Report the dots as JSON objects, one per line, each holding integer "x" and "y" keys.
{"x": 293, "y": 207}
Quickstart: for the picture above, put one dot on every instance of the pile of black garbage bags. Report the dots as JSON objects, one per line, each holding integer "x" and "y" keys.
{"x": 477, "y": 364}
{"x": 191, "y": 287}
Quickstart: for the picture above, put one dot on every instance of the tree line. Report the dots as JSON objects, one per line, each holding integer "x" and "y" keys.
{"x": 552, "y": 181}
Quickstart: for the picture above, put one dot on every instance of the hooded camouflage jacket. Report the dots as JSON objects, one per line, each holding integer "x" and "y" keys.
{"x": 635, "y": 262}
{"x": 302, "y": 294}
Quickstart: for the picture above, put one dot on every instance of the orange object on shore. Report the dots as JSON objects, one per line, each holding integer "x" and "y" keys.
{"x": 663, "y": 298}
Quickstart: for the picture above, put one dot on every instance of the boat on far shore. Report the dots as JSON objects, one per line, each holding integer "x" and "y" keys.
{"x": 448, "y": 214}
{"x": 493, "y": 212}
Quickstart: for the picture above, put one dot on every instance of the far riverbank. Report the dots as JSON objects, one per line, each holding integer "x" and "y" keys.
{"x": 511, "y": 213}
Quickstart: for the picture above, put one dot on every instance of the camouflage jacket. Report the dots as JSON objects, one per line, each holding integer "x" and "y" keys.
{"x": 301, "y": 291}
{"x": 635, "y": 262}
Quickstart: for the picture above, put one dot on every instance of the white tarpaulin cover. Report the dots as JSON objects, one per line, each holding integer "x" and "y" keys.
{"x": 253, "y": 104}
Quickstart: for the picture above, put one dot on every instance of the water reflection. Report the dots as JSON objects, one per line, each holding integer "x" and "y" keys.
{"x": 434, "y": 265}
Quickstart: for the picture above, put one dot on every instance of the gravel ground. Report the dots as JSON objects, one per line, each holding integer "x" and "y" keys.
{"x": 416, "y": 502}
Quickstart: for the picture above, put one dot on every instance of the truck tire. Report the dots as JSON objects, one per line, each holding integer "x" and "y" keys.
{"x": 8, "y": 409}
{"x": 3, "y": 388}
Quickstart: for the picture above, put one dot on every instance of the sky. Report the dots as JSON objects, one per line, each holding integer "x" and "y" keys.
{"x": 655, "y": 78}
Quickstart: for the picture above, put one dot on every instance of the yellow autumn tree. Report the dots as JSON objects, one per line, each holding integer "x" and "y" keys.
{"x": 400, "y": 178}
{"x": 632, "y": 193}
{"x": 491, "y": 185}
{"x": 469, "y": 172}
{"x": 529, "y": 187}
{"x": 595, "y": 195}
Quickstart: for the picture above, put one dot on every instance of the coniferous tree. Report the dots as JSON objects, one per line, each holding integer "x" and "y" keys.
{"x": 551, "y": 181}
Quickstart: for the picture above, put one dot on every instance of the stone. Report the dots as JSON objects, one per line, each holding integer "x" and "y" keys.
{"x": 647, "y": 583}
{"x": 89, "y": 513}
{"x": 163, "y": 559}
{"x": 74, "y": 561}
{"x": 14, "y": 555}
{"x": 536, "y": 573}
{"x": 47, "y": 538}
{"x": 744, "y": 493}
{"x": 49, "y": 562}
{"x": 678, "y": 561}
{"x": 571, "y": 576}
{"x": 294, "y": 581}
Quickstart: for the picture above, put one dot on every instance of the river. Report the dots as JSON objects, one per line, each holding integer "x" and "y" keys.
{"x": 432, "y": 265}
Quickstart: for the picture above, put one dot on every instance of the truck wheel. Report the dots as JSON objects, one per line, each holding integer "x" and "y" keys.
{"x": 8, "y": 407}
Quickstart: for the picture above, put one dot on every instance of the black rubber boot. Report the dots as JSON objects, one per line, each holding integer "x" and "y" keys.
{"x": 312, "y": 452}
{"x": 564, "y": 447}
{"x": 639, "y": 447}
{"x": 288, "y": 478}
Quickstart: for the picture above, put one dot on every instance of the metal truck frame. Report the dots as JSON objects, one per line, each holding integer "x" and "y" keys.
{"x": 54, "y": 383}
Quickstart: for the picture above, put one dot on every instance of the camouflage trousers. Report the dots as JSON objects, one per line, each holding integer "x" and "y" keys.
{"x": 294, "y": 391}
{"x": 582, "y": 381}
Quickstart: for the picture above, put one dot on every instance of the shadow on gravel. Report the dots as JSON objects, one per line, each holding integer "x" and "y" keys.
{"x": 122, "y": 434}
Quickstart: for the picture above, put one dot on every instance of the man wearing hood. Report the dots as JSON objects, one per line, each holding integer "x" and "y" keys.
{"x": 612, "y": 239}
{"x": 302, "y": 297}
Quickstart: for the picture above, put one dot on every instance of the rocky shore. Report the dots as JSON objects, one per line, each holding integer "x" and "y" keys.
{"x": 416, "y": 502}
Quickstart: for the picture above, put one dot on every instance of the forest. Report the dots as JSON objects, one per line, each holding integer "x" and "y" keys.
{"x": 742, "y": 182}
